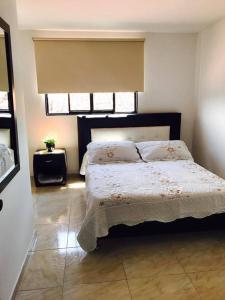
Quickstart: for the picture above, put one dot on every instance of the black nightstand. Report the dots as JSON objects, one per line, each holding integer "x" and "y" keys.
{"x": 50, "y": 168}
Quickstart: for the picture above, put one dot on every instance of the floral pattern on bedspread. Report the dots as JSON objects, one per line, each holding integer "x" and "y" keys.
{"x": 152, "y": 180}
{"x": 131, "y": 193}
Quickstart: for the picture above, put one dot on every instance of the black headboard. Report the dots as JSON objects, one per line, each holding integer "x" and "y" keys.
{"x": 86, "y": 123}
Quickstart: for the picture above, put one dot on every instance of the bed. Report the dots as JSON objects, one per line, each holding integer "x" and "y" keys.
{"x": 131, "y": 193}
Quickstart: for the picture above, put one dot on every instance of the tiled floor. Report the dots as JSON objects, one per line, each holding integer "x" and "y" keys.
{"x": 175, "y": 267}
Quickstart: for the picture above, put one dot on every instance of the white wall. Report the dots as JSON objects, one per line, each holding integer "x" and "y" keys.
{"x": 169, "y": 86}
{"x": 170, "y": 77}
{"x": 209, "y": 129}
{"x": 16, "y": 225}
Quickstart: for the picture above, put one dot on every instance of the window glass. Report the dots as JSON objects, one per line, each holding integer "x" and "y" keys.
{"x": 58, "y": 104}
{"x": 124, "y": 102}
{"x": 80, "y": 101}
{"x": 103, "y": 101}
{"x": 76, "y": 103}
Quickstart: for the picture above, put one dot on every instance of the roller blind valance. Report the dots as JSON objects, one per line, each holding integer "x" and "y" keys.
{"x": 70, "y": 66}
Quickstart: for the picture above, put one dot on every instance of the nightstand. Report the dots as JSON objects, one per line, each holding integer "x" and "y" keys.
{"x": 50, "y": 168}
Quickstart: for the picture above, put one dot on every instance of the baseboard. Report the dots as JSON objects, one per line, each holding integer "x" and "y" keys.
{"x": 31, "y": 243}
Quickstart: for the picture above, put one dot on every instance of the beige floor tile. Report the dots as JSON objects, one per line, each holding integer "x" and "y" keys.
{"x": 140, "y": 267}
{"x": 192, "y": 242}
{"x": 201, "y": 255}
{"x": 154, "y": 266}
{"x": 98, "y": 266}
{"x": 101, "y": 291}
{"x": 59, "y": 193}
{"x": 45, "y": 189}
{"x": 78, "y": 207}
{"x": 73, "y": 182}
{"x": 44, "y": 294}
{"x": 210, "y": 285}
{"x": 78, "y": 191}
{"x": 145, "y": 244}
{"x": 169, "y": 287}
{"x": 149, "y": 257}
{"x": 74, "y": 229}
{"x": 77, "y": 214}
{"x": 52, "y": 209}
{"x": 204, "y": 261}
{"x": 44, "y": 269}
{"x": 51, "y": 236}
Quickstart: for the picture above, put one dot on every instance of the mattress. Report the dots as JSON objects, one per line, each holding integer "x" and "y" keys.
{"x": 132, "y": 193}
{"x": 6, "y": 161}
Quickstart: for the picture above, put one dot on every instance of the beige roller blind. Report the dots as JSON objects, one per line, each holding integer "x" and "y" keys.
{"x": 3, "y": 67}
{"x": 89, "y": 65}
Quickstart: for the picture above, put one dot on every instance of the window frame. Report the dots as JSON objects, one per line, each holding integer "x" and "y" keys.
{"x": 91, "y": 111}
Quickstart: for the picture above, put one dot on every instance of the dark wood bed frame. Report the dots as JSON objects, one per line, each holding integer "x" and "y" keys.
{"x": 86, "y": 123}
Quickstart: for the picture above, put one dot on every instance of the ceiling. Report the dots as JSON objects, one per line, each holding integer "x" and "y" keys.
{"x": 125, "y": 15}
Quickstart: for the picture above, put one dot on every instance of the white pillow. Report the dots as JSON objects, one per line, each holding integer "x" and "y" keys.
{"x": 164, "y": 150}
{"x": 105, "y": 152}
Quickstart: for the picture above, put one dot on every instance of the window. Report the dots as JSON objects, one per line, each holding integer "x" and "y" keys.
{"x": 103, "y": 102}
{"x": 85, "y": 103}
{"x": 4, "y": 103}
{"x": 80, "y": 102}
{"x": 124, "y": 102}
{"x": 58, "y": 104}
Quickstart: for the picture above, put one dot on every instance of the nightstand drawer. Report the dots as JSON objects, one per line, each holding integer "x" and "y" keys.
{"x": 50, "y": 160}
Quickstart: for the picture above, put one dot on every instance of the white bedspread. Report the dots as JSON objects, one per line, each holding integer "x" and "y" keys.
{"x": 131, "y": 193}
{"x": 6, "y": 160}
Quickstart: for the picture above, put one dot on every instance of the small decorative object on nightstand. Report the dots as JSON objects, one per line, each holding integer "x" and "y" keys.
{"x": 50, "y": 144}
{"x": 50, "y": 168}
